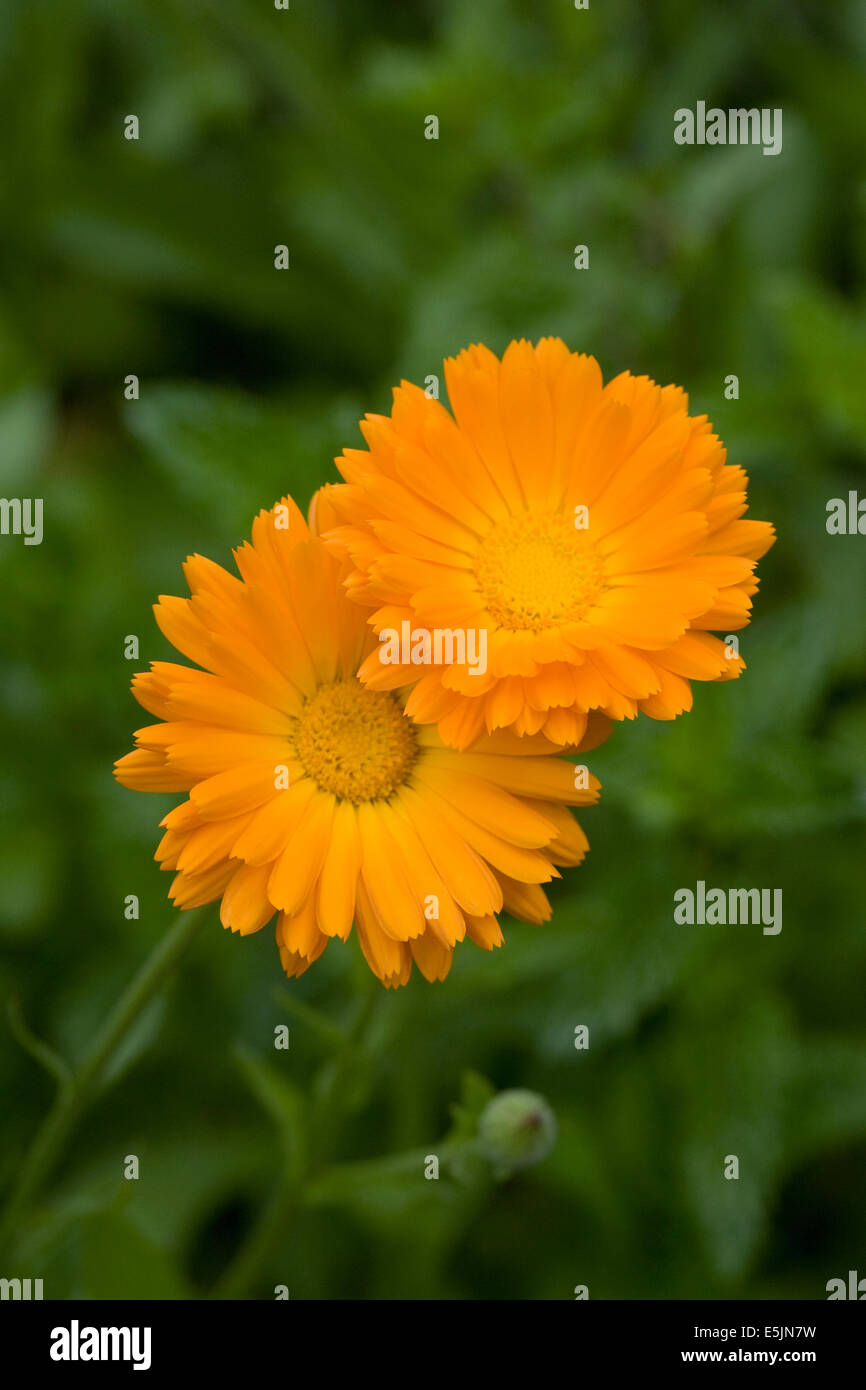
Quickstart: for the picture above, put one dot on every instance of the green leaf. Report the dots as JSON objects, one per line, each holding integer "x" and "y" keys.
{"x": 117, "y": 1261}
{"x": 732, "y": 1063}
{"x": 220, "y": 450}
{"x": 826, "y": 339}
{"x": 475, "y": 1093}
{"x": 25, "y": 432}
{"x": 828, "y": 1099}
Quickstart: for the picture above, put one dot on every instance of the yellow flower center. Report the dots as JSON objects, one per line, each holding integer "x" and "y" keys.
{"x": 354, "y": 742}
{"x": 538, "y": 571}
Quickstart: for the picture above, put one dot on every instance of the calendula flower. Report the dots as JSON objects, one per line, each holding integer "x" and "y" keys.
{"x": 593, "y": 533}
{"x": 316, "y": 799}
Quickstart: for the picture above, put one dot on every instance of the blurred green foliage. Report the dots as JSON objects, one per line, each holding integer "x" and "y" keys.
{"x": 305, "y": 127}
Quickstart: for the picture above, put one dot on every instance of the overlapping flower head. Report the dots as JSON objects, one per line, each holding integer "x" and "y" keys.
{"x": 320, "y": 802}
{"x": 593, "y": 533}
{"x": 373, "y": 733}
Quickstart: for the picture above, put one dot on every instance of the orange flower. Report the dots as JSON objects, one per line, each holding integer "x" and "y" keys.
{"x": 314, "y": 798}
{"x": 593, "y": 534}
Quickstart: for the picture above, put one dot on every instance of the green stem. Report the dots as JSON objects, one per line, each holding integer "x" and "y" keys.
{"x": 75, "y": 1094}
{"x": 268, "y": 1229}
{"x": 328, "y": 1104}
{"x": 263, "y": 1238}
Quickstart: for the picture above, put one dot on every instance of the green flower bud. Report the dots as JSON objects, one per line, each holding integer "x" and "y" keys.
{"x": 516, "y": 1129}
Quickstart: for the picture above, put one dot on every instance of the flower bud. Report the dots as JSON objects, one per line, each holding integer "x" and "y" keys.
{"x": 516, "y": 1128}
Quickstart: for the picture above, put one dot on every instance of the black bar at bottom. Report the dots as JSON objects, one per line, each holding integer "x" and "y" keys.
{"x": 83, "y": 1339}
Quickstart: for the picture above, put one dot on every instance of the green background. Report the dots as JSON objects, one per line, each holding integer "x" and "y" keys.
{"x": 305, "y": 127}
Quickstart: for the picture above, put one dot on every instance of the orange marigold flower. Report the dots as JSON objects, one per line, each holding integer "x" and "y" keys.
{"x": 319, "y": 800}
{"x": 594, "y": 534}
